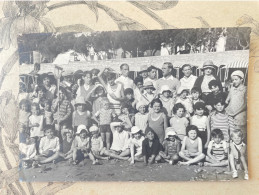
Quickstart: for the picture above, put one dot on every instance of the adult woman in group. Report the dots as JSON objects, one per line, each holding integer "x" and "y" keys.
{"x": 202, "y": 82}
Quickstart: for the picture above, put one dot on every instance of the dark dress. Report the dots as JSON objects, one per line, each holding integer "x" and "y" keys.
{"x": 149, "y": 151}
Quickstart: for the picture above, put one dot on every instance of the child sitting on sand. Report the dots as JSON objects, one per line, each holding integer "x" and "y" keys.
{"x": 120, "y": 145}
{"x": 150, "y": 147}
{"x": 81, "y": 146}
{"x": 217, "y": 150}
{"x": 27, "y": 151}
{"x": 136, "y": 144}
{"x": 237, "y": 154}
{"x": 66, "y": 150}
{"x": 96, "y": 143}
{"x": 191, "y": 150}
{"x": 172, "y": 148}
{"x": 49, "y": 146}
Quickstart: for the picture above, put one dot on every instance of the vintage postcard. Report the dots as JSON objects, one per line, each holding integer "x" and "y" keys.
{"x": 25, "y": 17}
{"x": 160, "y": 105}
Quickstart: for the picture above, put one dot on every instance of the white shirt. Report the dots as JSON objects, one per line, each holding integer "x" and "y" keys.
{"x": 120, "y": 141}
{"x": 138, "y": 145}
{"x": 28, "y": 149}
{"x": 49, "y": 144}
{"x": 188, "y": 83}
{"x": 151, "y": 80}
{"x": 126, "y": 81}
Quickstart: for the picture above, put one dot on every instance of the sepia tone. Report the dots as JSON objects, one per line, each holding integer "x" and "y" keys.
{"x": 122, "y": 16}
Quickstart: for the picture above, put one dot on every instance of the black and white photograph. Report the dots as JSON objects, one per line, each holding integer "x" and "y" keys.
{"x": 152, "y": 105}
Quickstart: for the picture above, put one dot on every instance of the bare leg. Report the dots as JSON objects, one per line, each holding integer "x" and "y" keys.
{"x": 104, "y": 138}
{"x": 222, "y": 163}
{"x": 51, "y": 158}
{"x": 122, "y": 156}
{"x": 108, "y": 140}
{"x": 92, "y": 158}
{"x": 232, "y": 162}
{"x": 181, "y": 154}
{"x": 243, "y": 161}
{"x": 194, "y": 160}
{"x": 132, "y": 154}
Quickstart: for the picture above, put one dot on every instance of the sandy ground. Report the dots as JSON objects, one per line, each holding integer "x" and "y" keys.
{"x": 113, "y": 170}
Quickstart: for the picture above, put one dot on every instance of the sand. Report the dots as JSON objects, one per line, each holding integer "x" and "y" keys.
{"x": 115, "y": 170}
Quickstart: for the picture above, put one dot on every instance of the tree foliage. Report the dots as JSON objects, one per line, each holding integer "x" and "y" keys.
{"x": 135, "y": 42}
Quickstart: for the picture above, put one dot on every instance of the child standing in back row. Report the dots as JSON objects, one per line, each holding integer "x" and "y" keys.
{"x": 179, "y": 122}
{"x": 105, "y": 115}
{"x": 202, "y": 122}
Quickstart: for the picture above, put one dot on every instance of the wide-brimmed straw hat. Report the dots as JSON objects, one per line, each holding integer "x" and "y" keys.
{"x": 143, "y": 68}
{"x": 209, "y": 64}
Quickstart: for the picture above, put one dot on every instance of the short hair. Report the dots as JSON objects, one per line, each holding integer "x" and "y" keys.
{"x": 149, "y": 129}
{"x": 219, "y": 100}
{"x": 47, "y": 102}
{"x": 217, "y": 133}
{"x": 185, "y": 65}
{"x": 156, "y": 101}
{"x": 26, "y": 102}
{"x": 63, "y": 90}
{"x": 150, "y": 68}
{"x": 195, "y": 89}
{"x": 213, "y": 83}
{"x": 138, "y": 79}
{"x": 128, "y": 91}
{"x": 47, "y": 127}
{"x": 41, "y": 88}
{"x": 124, "y": 64}
{"x": 237, "y": 132}
{"x": 192, "y": 127}
{"x": 35, "y": 105}
{"x": 169, "y": 64}
{"x": 111, "y": 76}
{"x": 199, "y": 105}
{"x": 88, "y": 72}
{"x": 178, "y": 106}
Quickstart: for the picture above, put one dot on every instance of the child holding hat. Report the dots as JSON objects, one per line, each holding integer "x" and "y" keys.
{"x": 237, "y": 100}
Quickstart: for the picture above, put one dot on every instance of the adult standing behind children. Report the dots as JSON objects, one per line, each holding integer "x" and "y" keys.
{"x": 188, "y": 80}
{"x": 167, "y": 79}
{"x": 152, "y": 75}
{"x": 124, "y": 78}
{"x": 202, "y": 82}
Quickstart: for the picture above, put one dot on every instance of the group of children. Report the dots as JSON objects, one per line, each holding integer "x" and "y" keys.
{"x": 130, "y": 120}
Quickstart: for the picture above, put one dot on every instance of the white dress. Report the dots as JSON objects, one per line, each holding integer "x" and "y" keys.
{"x": 36, "y": 131}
